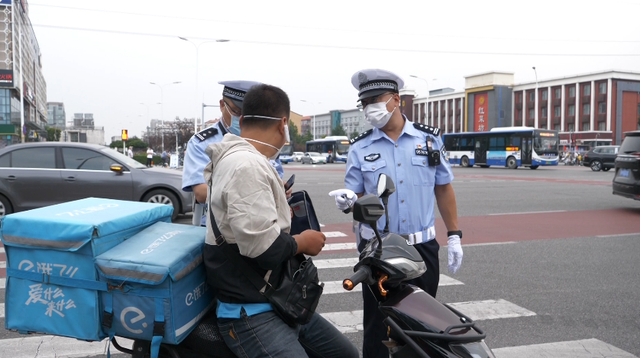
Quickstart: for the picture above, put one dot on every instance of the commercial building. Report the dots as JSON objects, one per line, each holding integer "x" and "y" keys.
{"x": 23, "y": 90}
{"x": 56, "y": 115}
{"x": 588, "y": 108}
{"x": 83, "y": 130}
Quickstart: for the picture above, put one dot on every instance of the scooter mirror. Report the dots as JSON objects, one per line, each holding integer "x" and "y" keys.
{"x": 386, "y": 187}
{"x": 368, "y": 210}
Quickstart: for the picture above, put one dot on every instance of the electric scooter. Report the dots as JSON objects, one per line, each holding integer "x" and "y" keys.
{"x": 418, "y": 324}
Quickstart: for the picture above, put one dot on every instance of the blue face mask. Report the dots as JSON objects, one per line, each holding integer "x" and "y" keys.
{"x": 234, "y": 128}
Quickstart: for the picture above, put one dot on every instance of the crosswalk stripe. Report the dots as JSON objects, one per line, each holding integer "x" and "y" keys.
{"x": 336, "y": 263}
{"x": 1, "y": 250}
{"x": 491, "y": 309}
{"x": 1, "y": 310}
{"x": 341, "y": 246}
{"x": 585, "y": 348}
{"x": 3, "y": 283}
{"x": 334, "y": 234}
{"x": 333, "y": 287}
{"x": 3, "y": 264}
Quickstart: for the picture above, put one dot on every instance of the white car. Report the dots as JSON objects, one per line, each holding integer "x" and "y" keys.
{"x": 314, "y": 158}
{"x": 297, "y": 156}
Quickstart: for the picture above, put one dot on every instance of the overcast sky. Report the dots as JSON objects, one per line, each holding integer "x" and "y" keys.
{"x": 99, "y": 56}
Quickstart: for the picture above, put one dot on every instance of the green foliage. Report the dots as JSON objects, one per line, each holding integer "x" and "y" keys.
{"x": 53, "y": 134}
{"x": 338, "y": 131}
{"x": 134, "y": 142}
{"x": 354, "y": 134}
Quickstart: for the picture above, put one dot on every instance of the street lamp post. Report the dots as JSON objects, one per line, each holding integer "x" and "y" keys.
{"x": 427, "y": 82}
{"x": 535, "y": 112}
{"x": 148, "y": 118}
{"x": 162, "y": 105}
{"x": 195, "y": 122}
{"x": 314, "y": 116}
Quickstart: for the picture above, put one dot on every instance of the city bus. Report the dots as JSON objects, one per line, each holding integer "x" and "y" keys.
{"x": 509, "y": 147}
{"x": 335, "y": 148}
{"x": 286, "y": 153}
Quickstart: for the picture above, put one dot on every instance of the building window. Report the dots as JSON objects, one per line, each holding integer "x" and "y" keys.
{"x": 543, "y": 113}
{"x": 572, "y": 110}
{"x": 531, "y": 96}
{"x": 544, "y": 95}
{"x": 602, "y": 108}
{"x": 585, "y": 126}
{"x": 586, "y": 109}
{"x": 557, "y": 92}
{"x": 602, "y": 87}
{"x": 572, "y": 91}
{"x": 602, "y": 126}
{"x": 586, "y": 90}
{"x": 570, "y": 127}
{"x": 519, "y": 97}
{"x": 556, "y": 127}
{"x": 556, "y": 111}
{"x": 531, "y": 113}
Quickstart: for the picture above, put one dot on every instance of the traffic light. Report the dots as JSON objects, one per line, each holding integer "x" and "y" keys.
{"x": 125, "y": 134}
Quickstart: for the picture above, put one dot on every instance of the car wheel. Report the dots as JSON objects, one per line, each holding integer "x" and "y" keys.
{"x": 5, "y": 206}
{"x": 512, "y": 163}
{"x": 596, "y": 166}
{"x": 464, "y": 161}
{"x": 161, "y": 196}
{"x": 605, "y": 169}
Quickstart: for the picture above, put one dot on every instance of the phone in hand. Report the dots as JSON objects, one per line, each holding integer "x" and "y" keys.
{"x": 289, "y": 182}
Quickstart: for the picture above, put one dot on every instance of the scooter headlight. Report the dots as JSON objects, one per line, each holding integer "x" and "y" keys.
{"x": 472, "y": 350}
{"x": 411, "y": 269}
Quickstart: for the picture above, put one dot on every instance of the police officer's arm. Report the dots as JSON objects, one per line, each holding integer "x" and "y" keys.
{"x": 446, "y": 199}
{"x": 195, "y": 160}
{"x": 200, "y": 192}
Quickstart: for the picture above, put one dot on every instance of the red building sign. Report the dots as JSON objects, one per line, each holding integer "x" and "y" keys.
{"x": 481, "y": 100}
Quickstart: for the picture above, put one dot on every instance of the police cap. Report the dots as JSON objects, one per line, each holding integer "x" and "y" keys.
{"x": 236, "y": 90}
{"x": 374, "y": 82}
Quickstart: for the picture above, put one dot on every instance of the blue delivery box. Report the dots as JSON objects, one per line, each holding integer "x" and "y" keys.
{"x": 157, "y": 284}
{"x": 52, "y": 282}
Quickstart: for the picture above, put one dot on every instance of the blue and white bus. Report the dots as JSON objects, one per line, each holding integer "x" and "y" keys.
{"x": 509, "y": 147}
{"x": 286, "y": 153}
{"x": 335, "y": 148}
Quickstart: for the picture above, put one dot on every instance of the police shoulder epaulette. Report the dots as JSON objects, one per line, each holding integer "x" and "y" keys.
{"x": 428, "y": 129}
{"x": 363, "y": 135}
{"x": 206, "y": 134}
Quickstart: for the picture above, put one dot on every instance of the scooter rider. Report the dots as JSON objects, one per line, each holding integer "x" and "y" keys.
{"x": 196, "y": 159}
{"x": 413, "y": 155}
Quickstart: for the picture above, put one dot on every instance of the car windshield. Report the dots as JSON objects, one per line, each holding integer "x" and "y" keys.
{"x": 123, "y": 158}
{"x": 315, "y": 154}
{"x": 631, "y": 144}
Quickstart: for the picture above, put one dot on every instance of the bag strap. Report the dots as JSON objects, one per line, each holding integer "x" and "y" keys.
{"x": 259, "y": 282}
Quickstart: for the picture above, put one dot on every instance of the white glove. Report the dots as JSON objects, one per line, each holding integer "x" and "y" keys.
{"x": 455, "y": 253}
{"x": 344, "y": 198}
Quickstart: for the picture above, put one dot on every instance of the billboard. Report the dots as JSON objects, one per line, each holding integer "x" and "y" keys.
{"x": 6, "y": 78}
{"x": 480, "y": 114}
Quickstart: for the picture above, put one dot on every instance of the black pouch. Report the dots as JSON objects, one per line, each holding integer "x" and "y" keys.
{"x": 304, "y": 215}
{"x": 295, "y": 298}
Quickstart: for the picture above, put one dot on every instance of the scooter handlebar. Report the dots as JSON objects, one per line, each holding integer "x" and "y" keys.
{"x": 362, "y": 274}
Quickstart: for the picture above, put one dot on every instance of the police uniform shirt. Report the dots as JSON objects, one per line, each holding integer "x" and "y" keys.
{"x": 412, "y": 205}
{"x": 196, "y": 159}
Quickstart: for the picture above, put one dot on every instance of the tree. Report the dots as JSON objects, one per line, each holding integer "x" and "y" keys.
{"x": 338, "y": 131}
{"x": 53, "y": 134}
{"x": 354, "y": 134}
{"x": 293, "y": 133}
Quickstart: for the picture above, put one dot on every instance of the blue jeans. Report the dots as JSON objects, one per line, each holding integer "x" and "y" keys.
{"x": 266, "y": 335}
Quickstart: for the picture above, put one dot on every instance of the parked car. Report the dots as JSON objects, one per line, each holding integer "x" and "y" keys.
{"x": 601, "y": 158}
{"x": 314, "y": 158}
{"x": 626, "y": 181}
{"x": 34, "y": 175}
{"x": 297, "y": 156}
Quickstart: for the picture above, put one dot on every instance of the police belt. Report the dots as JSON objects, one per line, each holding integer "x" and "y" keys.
{"x": 420, "y": 236}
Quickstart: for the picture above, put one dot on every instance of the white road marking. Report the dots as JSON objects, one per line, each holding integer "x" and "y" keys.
{"x": 334, "y": 287}
{"x": 53, "y": 346}
{"x": 340, "y": 246}
{"x": 334, "y": 234}
{"x": 488, "y": 244}
{"x": 532, "y": 212}
{"x": 1, "y": 250}
{"x": 586, "y": 348}
{"x": 1, "y": 310}
{"x": 637, "y": 234}
{"x": 3, "y": 264}
{"x": 336, "y": 263}
{"x": 3, "y": 283}
{"x": 491, "y": 309}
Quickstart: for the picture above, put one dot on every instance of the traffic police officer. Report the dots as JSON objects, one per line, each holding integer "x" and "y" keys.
{"x": 196, "y": 159}
{"x": 413, "y": 155}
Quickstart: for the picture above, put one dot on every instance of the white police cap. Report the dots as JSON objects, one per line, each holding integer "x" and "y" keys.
{"x": 374, "y": 82}
{"x": 236, "y": 90}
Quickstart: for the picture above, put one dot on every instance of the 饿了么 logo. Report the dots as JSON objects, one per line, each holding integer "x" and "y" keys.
{"x": 159, "y": 241}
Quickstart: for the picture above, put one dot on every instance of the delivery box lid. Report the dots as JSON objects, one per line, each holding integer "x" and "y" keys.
{"x": 69, "y": 226}
{"x": 161, "y": 250}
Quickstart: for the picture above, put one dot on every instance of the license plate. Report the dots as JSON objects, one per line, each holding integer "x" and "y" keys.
{"x": 624, "y": 173}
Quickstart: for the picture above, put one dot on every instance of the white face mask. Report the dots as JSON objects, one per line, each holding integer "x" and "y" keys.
{"x": 286, "y": 137}
{"x": 377, "y": 113}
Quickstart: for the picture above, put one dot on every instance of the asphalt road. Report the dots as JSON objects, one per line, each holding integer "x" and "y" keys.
{"x": 552, "y": 241}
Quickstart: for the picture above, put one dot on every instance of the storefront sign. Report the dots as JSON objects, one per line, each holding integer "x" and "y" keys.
{"x": 481, "y": 111}
{"x": 6, "y": 78}
{"x": 5, "y": 2}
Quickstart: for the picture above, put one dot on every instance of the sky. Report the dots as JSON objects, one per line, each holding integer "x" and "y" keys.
{"x": 100, "y": 56}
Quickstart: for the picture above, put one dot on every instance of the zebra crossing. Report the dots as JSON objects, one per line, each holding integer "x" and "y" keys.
{"x": 343, "y": 309}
